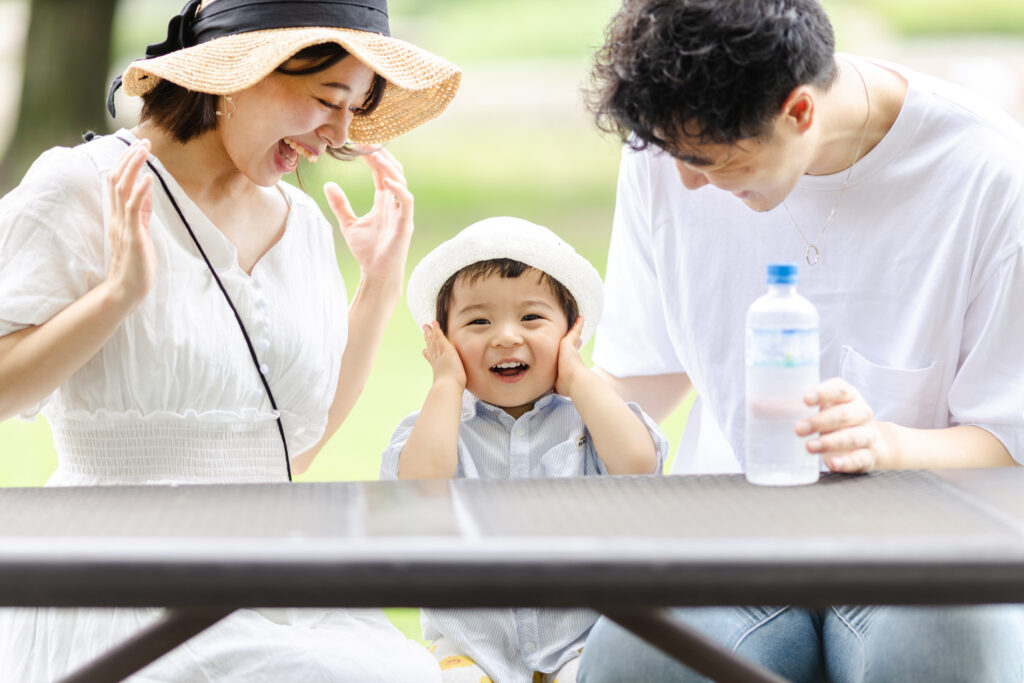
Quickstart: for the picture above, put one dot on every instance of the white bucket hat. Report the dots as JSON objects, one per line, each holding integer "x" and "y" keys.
{"x": 507, "y": 238}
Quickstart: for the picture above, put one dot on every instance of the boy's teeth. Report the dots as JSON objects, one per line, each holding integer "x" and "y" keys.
{"x": 508, "y": 364}
{"x": 302, "y": 150}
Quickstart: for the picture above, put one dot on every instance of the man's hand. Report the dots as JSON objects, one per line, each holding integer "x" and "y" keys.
{"x": 849, "y": 438}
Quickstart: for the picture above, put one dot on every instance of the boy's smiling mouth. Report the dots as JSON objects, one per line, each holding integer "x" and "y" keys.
{"x": 509, "y": 369}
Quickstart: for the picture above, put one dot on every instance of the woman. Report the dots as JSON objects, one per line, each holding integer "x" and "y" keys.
{"x": 177, "y": 313}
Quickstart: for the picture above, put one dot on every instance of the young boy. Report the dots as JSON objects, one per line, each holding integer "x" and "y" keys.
{"x": 504, "y": 306}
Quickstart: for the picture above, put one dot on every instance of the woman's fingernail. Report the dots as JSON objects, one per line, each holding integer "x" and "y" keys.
{"x": 803, "y": 427}
{"x": 814, "y": 445}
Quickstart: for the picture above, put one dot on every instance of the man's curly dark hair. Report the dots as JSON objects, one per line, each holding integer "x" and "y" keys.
{"x": 706, "y": 71}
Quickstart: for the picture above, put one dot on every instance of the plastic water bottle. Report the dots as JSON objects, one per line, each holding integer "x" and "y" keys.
{"x": 782, "y": 365}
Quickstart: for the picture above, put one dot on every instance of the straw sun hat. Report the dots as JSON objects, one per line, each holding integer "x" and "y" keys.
{"x": 504, "y": 237}
{"x": 224, "y": 46}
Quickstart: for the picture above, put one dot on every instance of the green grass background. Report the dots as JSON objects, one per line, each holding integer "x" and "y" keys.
{"x": 516, "y": 141}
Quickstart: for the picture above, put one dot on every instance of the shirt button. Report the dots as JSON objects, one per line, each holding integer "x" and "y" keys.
{"x": 530, "y": 647}
{"x": 261, "y": 304}
{"x": 263, "y": 344}
{"x": 264, "y": 369}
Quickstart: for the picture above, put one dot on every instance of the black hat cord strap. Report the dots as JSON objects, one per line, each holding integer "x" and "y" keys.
{"x": 227, "y": 297}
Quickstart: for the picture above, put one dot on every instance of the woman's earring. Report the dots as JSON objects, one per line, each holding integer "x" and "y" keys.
{"x": 227, "y": 116}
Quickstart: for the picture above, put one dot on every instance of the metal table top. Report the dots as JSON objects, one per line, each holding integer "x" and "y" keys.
{"x": 895, "y": 537}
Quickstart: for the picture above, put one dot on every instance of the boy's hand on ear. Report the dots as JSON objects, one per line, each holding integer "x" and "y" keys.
{"x": 569, "y": 361}
{"x": 442, "y": 356}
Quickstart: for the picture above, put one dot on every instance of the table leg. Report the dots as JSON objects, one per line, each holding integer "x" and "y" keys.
{"x": 156, "y": 640}
{"x": 661, "y": 629}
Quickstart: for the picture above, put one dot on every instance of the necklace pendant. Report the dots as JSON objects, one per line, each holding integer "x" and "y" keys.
{"x": 812, "y": 255}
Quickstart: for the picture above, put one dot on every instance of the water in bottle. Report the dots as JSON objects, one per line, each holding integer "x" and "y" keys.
{"x": 782, "y": 355}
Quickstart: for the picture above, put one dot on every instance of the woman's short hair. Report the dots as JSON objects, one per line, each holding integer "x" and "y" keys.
{"x": 506, "y": 268}
{"x": 706, "y": 71}
{"x": 187, "y": 114}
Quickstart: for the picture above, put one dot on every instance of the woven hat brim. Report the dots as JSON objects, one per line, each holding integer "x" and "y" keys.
{"x": 419, "y": 84}
{"x": 507, "y": 238}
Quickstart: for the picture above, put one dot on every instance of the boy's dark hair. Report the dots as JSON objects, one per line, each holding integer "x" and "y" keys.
{"x": 506, "y": 268}
{"x": 187, "y": 114}
{"x": 673, "y": 72}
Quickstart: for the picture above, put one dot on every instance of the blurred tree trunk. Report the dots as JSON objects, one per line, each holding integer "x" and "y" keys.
{"x": 63, "y": 93}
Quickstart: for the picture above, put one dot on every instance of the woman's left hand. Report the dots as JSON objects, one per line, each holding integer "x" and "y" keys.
{"x": 848, "y": 437}
{"x": 379, "y": 240}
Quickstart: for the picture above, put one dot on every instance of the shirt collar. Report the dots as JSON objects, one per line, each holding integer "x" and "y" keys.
{"x": 473, "y": 406}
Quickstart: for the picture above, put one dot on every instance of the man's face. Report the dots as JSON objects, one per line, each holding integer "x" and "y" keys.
{"x": 759, "y": 171}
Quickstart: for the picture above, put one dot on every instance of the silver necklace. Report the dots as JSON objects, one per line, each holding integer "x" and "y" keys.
{"x": 812, "y": 253}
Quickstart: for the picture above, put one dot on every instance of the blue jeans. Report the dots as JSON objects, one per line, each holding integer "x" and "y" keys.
{"x": 839, "y": 644}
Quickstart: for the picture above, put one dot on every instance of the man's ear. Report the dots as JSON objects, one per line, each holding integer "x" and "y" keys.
{"x": 798, "y": 109}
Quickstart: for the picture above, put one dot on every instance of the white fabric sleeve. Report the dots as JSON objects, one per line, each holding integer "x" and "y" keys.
{"x": 988, "y": 391}
{"x": 661, "y": 445}
{"x": 51, "y": 239}
{"x": 633, "y": 336}
{"x": 389, "y": 459}
{"x": 593, "y": 464}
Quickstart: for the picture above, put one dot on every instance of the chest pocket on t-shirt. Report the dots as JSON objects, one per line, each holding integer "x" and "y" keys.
{"x": 907, "y": 397}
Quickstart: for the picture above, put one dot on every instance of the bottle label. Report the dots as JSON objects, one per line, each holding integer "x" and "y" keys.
{"x": 782, "y": 348}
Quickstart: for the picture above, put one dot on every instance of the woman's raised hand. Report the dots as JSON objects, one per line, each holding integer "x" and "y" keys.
{"x": 379, "y": 240}
{"x": 132, "y": 256}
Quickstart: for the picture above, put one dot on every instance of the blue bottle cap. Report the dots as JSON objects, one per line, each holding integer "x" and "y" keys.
{"x": 783, "y": 274}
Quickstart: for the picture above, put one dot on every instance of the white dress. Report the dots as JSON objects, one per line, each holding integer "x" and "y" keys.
{"x": 174, "y": 396}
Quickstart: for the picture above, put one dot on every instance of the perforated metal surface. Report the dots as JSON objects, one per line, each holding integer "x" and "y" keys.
{"x": 271, "y": 510}
{"x": 999, "y": 490}
{"x": 913, "y": 505}
{"x": 906, "y": 537}
{"x": 889, "y": 504}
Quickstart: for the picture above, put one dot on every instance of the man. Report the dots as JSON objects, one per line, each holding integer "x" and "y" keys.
{"x": 902, "y": 197}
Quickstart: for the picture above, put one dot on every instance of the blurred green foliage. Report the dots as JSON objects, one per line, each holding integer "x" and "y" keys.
{"x": 946, "y": 17}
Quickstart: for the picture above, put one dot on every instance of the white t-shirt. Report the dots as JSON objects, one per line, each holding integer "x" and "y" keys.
{"x": 174, "y": 395}
{"x": 920, "y": 286}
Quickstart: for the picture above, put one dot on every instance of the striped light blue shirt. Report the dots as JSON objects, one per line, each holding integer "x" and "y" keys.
{"x": 548, "y": 441}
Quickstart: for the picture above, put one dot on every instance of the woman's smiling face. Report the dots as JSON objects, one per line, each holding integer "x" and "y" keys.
{"x": 286, "y": 116}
